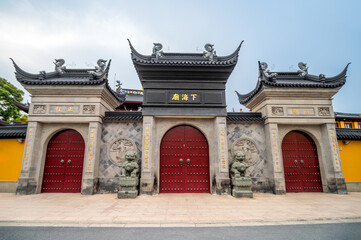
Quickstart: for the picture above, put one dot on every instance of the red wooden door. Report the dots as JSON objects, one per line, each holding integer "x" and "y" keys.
{"x": 300, "y": 161}
{"x": 184, "y": 161}
{"x": 64, "y": 163}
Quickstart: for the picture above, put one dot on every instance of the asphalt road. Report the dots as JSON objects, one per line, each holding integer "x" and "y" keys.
{"x": 338, "y": 231}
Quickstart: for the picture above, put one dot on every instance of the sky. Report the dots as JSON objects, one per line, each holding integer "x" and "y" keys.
{"x": 324, "y": 34}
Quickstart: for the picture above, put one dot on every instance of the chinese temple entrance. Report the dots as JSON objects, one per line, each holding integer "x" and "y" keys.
{"x": 300, "y": 161}
{"x": 184, "y": 161}
{"x": 64, "y": 163}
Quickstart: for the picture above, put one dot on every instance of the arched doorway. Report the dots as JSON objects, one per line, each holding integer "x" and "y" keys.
{"x": 300, "y": 161}
{"x": 184, "y": 161}
{"x": 64, "y": 163}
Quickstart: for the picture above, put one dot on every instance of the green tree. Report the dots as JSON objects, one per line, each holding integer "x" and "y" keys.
{"x": 8, "y": 92}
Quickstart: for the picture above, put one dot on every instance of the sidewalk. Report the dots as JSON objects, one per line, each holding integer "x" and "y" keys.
{"x": 177, "y": 210}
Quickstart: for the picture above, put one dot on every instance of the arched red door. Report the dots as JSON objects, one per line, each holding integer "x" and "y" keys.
{"x": 184, "y": 161}
{"x": 64, "y": 163}
{"x": 300, "y": 161}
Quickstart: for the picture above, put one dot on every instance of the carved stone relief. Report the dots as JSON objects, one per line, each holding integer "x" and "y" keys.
{"x": 39, "y": 109}
{"x": 89, "y": 109}
{"x": 324, "y": 111}
{"x": 278, "y": 111}
{"x": 249, "y": 148}
{"x": 118, "y": 149}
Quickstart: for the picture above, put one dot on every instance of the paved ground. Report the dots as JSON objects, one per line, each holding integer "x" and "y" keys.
{"x": 187, "y": 210}
{"x": 335, "y": 231}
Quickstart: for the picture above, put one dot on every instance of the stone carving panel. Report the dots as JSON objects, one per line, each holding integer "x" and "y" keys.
{"x": 324, "y": 111}
{"x": 249, "y": 148}
{"x": 278, "y": 111}
{"x": 89, "y": 109}
{"x": 118, "y": 149}
{"x": 39, "y": 109}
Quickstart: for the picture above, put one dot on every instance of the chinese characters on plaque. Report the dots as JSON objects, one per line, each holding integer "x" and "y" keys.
{"x": 184, "y": 97}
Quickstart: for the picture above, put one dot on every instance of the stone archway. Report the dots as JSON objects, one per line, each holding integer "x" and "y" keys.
{"x": 300, "y": 162}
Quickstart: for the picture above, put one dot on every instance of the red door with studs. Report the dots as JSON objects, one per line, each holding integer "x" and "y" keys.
{"x": 184, "y": 161}
{"x": 64, "y": 163}
{"x": 300, "y": 161}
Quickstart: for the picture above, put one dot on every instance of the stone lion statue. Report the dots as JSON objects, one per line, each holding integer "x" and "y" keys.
{"x": 130, "y": 167}
{"x": 239, "y": 166}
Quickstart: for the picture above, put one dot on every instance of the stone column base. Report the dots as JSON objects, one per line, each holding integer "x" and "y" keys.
{"x": 336, "y": 185}
{"x": 147, "y": 186}
{"x": 223, "y": 186}
{"x": 89, "y": 186}
{"x": 26, "y": 186}
{"x": 279, "y": 186}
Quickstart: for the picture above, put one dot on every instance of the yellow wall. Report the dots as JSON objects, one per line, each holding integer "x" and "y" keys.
{"x": 11, "y": 154}
{"x": 351, "y": 160}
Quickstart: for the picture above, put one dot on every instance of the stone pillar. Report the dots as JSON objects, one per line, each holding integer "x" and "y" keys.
{"x": 148, "y": 161}
{"x": 274, "y": 154}
{"x": 28, "y": 180}
{"x": 91, "y": 163}
{"x": 334, "y": 176}
{"x": 223, "y": 186}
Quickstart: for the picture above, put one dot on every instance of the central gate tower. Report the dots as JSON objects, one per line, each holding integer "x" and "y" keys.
{"x": 184, "y": 89}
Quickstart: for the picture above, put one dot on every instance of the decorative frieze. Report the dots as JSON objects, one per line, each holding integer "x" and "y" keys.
{"x": 249, "y": 148}
{"x": 277, "y": 111}
{"x": 64, "y": 109}
{"x": 88, "y": 109}
{"x": 118, "y": 150}
{"x": 39, "y": 109}
{"x": 324, "y": 111}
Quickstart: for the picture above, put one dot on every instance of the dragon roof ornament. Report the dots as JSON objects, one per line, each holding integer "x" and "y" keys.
{"x": 299, "y": 79}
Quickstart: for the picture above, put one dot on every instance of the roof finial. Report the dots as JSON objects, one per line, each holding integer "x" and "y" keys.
{"x": 264, "y": 68}
{"x": 99, "y": 70}
{"x": 59, "y": 68}
{"x": 157, "y": 50}
{"x": 209, "y": 53}
{"x": 303, "y": 69}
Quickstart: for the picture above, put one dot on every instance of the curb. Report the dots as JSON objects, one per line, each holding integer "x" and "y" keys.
{"x": 173, "y": 225}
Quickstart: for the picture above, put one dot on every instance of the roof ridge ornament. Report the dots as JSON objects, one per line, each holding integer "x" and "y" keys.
{"x": 263, "y": 66}
{"x": 303, "y": 69}
{"x": 157, "y": 50}
{"x": 99, "y": 70}
{"x": 59, "y": 68}
{"x": 209, "y": 53}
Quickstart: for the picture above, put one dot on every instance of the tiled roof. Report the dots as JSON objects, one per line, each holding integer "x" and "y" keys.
{"x": 183, "y": 59}
{"x": 67, "y": 77}
{"x": 244, "y": 117}
{"x": 13, "y": 131}
{"x": 21, "y": 106}
{"x": 347, "y": 115}
{"x": 123, "y": 116}
{"x": 348, "y": 133}
{"x": 293, "y": 80}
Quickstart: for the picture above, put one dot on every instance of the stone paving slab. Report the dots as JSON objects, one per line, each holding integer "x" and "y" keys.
{"x": 182, "y": 210}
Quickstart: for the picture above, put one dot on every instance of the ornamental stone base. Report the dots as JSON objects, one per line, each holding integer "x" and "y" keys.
{"x": 242, "y": 187}
{"x": 128, "y": 187}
